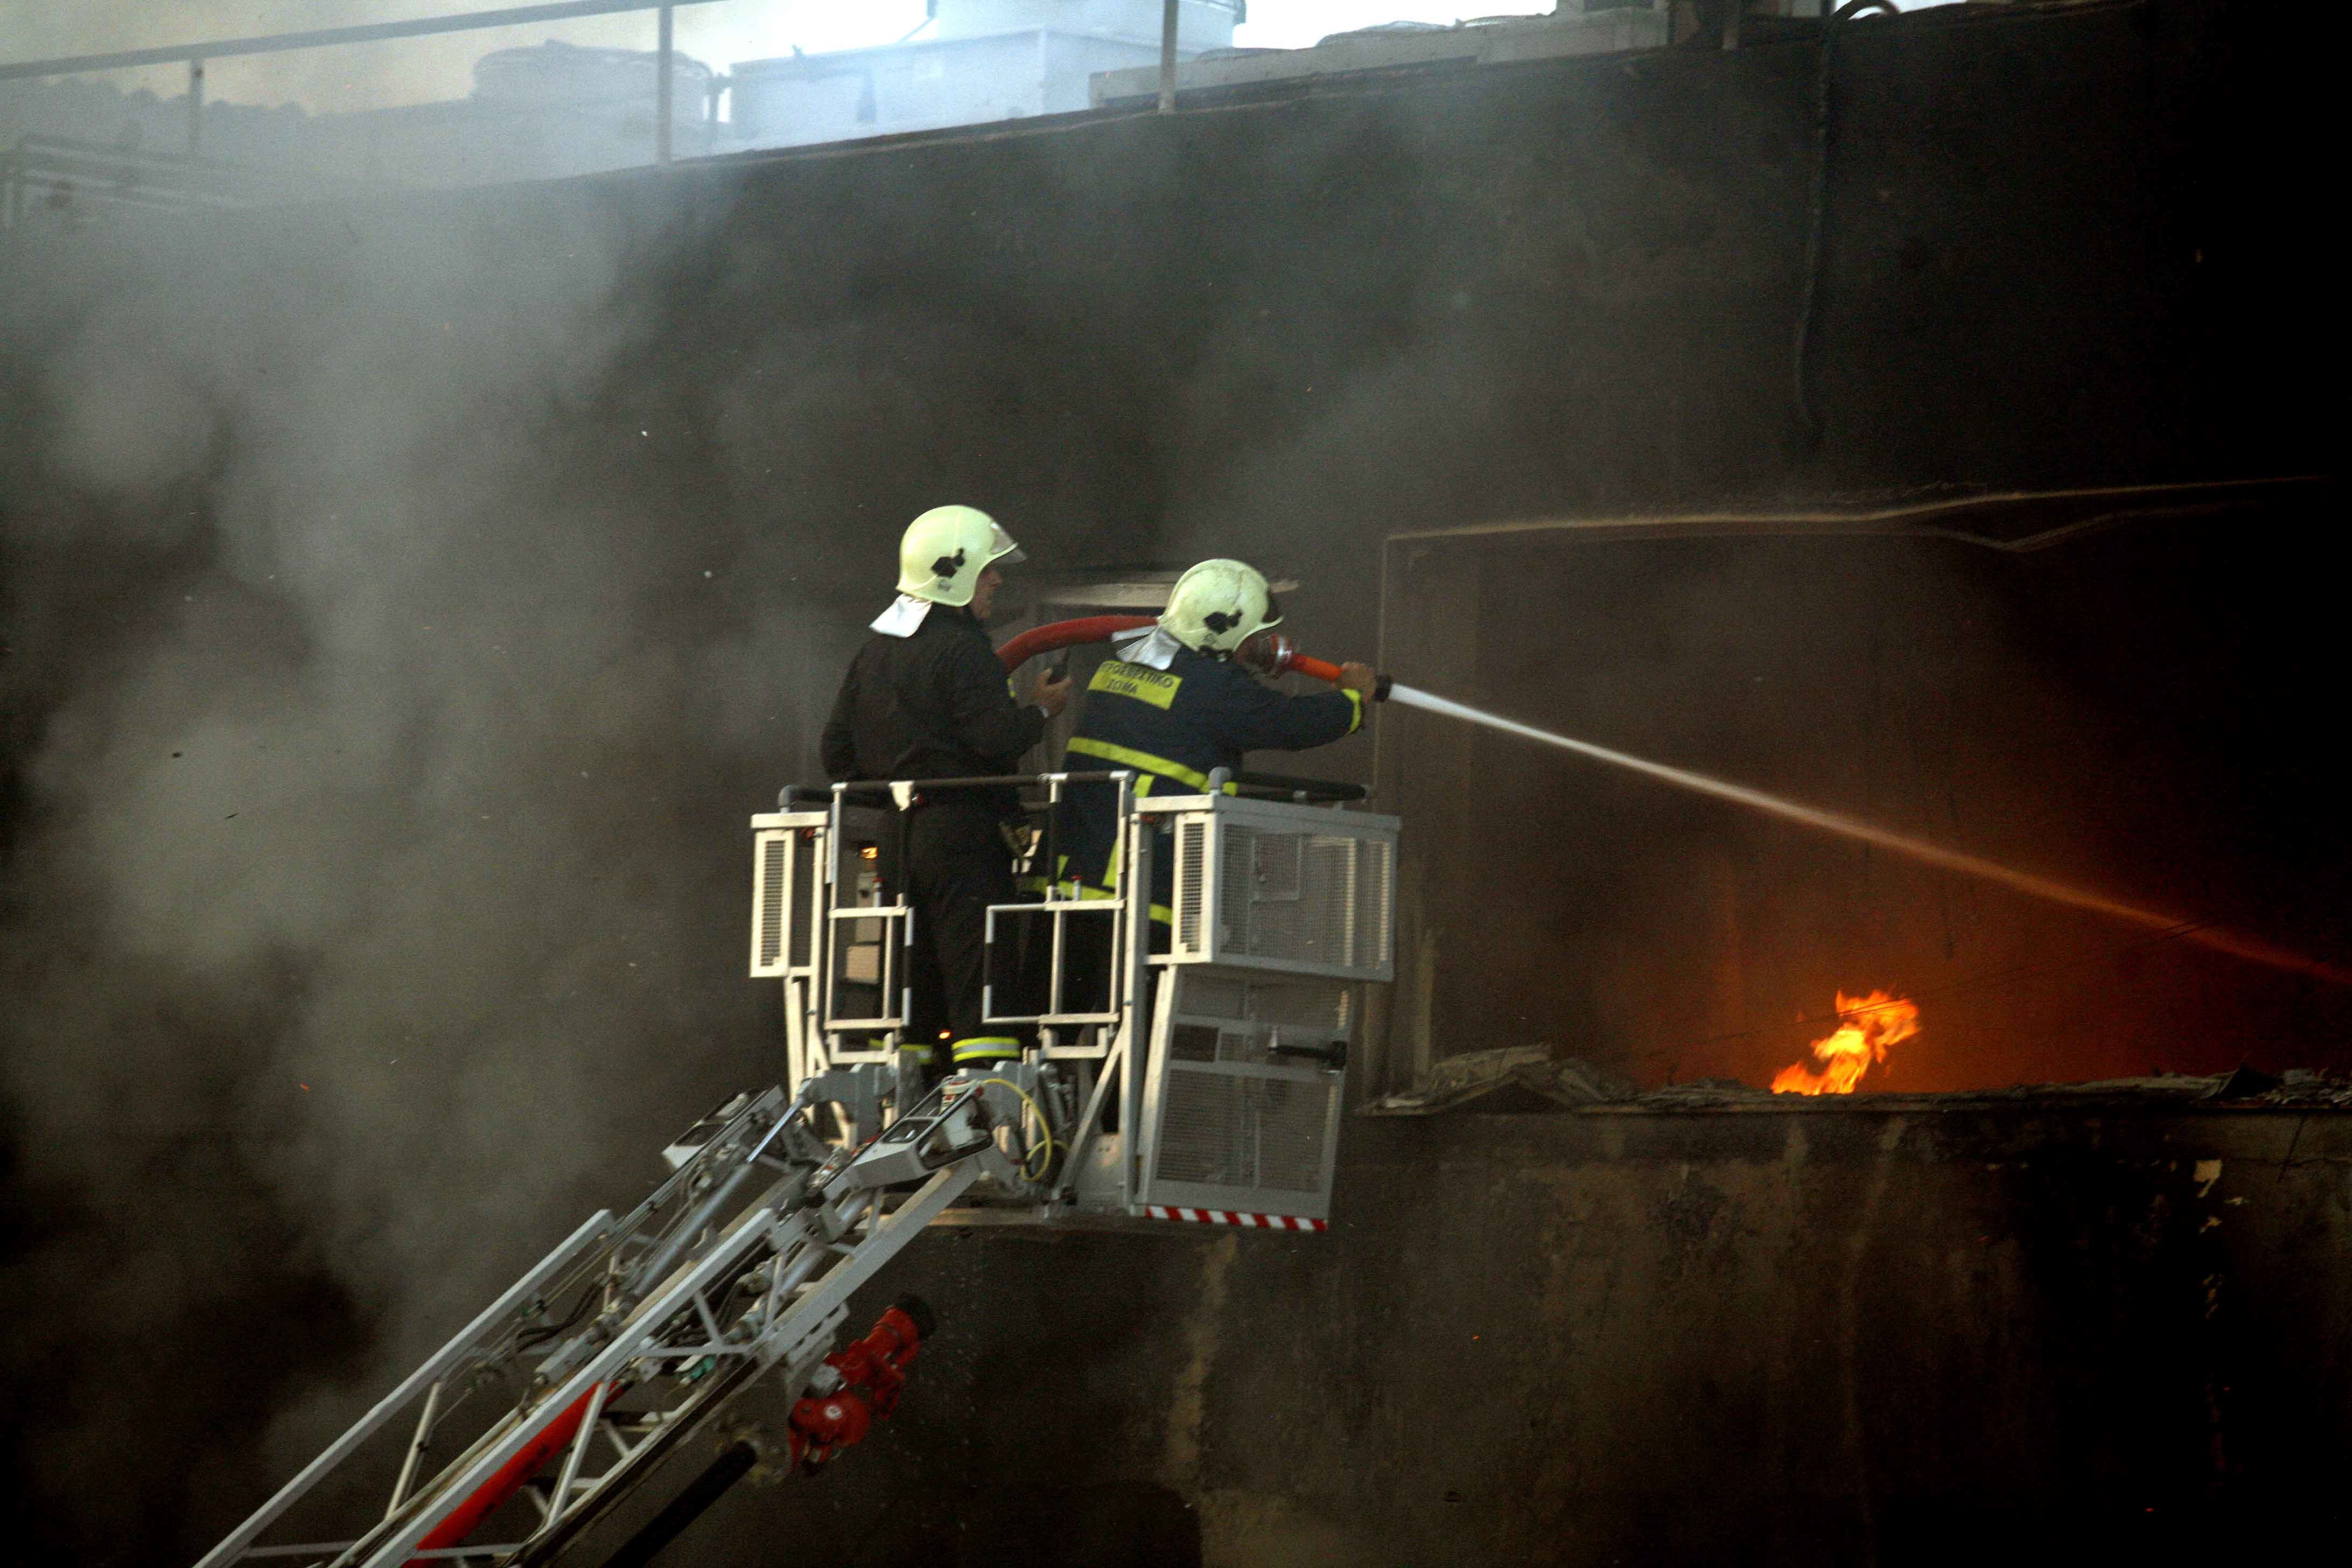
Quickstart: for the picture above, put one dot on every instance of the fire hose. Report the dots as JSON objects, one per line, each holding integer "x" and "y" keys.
{"x": 1268, "y": 653}
{"x": 1059, "y": 635}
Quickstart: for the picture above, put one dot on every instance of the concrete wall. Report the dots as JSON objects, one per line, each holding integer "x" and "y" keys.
{"x": 1826, "y": 1334}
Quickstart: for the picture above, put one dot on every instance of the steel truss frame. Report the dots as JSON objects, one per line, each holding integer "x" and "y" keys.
{"x": 705, "y": 1288}
{"x": 698, "y": 1293}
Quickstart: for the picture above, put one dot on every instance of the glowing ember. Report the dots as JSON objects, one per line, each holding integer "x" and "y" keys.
{"x": 1866, "y": 1026}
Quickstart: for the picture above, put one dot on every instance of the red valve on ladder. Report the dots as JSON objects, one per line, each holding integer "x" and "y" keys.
{"x": 866, "y": 1379}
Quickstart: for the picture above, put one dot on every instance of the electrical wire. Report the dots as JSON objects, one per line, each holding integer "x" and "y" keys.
{"x": 541, "y": 1335}
{"x": 1045, "y": 1130}
{"x": 1833, "y": 19}
{"x": 1809, "y": 424}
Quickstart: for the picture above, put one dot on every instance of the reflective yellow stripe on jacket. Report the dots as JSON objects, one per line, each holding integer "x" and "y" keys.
{"x": 1143, "y": 762}
{"x": 987, "y": 1048}
{"x": 1128, "y": 757}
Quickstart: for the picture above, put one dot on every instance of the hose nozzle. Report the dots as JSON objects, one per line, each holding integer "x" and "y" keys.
{"x": 1272, "y": 653}
{"x": 1268, "y": 653}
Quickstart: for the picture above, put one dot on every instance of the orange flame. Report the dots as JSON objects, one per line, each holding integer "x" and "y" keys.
{"x": 1866, "y": 1026}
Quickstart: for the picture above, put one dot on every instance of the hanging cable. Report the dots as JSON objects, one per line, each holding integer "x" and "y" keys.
{"x": 1809, "y": 422}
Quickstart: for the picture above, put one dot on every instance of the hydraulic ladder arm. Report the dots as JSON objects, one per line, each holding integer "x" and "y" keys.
{"x": 635, "y": 1334}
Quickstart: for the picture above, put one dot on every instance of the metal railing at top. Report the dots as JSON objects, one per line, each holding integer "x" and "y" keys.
{"x": 195, "y": 55}
{"x": 869, "y": 913}
{"x": 1258, "y": 786}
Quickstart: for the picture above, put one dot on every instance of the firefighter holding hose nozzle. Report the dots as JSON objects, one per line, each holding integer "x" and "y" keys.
{"x": 926, "y": 699}
{"x": 1177, "y": 702}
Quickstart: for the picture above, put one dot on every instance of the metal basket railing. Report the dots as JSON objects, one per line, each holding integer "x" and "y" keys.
{"x": 1224, "y": 1035}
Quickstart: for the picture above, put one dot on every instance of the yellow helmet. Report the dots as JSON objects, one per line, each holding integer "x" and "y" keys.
{"x": 1217, "y": 606}
{"x": 944, "y": 552}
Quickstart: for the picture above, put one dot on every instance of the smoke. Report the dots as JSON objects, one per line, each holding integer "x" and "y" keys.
{"x": 380, "y": 734}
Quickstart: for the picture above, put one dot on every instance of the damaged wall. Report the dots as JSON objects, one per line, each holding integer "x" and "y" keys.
{"x": 1827, "y": 1334}
{"x": 2114, "y": 708}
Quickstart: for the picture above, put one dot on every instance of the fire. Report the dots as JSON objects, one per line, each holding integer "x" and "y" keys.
{"x": 1866, "y": 1026}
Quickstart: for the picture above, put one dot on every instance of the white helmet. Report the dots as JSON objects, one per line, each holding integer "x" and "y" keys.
{"x": 1217, "y": 606}
{"x": 944, "y": 552}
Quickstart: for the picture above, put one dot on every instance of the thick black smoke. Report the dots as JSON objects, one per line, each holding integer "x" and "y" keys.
{"x": 379, "y": 740}
{"x": 406, "y": 606}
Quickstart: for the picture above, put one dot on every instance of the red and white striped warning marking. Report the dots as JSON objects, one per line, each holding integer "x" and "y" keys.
{"x": 1229, "y": 1216}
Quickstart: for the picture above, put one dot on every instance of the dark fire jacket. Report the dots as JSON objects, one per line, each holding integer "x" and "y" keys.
{"x": 931, "y": 705}
{"x": 1174, "y": 726}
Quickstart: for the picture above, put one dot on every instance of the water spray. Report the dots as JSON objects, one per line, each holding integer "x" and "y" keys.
{"x": 1274, "y": 654}
{"x": 2222, "y": 941}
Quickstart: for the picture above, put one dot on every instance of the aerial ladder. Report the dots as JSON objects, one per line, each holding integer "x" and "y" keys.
{"x": 1195, "y": 1077}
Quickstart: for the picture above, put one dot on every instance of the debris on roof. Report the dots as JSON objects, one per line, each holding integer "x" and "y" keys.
{"x": 1521, "y": 1079}
{"x": 1509, "y": 1078}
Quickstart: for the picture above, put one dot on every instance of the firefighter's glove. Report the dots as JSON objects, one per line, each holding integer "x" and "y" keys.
{"x": 1020, "y": 837}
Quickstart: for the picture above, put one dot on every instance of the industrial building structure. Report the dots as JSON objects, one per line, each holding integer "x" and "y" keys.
{"x": 556, "y": 108}
{"x": 1902, "y": 414}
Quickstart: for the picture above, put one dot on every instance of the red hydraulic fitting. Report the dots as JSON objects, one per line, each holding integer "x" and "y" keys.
{"x": 859, "y": 1383}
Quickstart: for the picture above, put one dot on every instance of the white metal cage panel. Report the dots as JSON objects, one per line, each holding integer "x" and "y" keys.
{"x": 863, "y": 988}
{"x": 771, "y": 915}
{"x": 1235, "y": 1136}
{"x": 1309, "y": 1004}
{"x": 1193, "y": 937}
{"x": 1233, "y": 1042}
{"x": 787, "y": 855}
{"x": 865, "y": 950}
{"x": 1289, "y": 889}
{"x": 1243, "y": 1116}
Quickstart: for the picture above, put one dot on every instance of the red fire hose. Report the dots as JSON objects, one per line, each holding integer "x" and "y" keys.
{"x": 1281, "y": 654}
{"x": 1270, "y": 653}
{"x": 1067, "y": 634}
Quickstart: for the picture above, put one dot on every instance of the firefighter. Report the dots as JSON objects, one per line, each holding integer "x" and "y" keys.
{"x": 926, "y": 699}
{"x": 1174, "y": 705}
